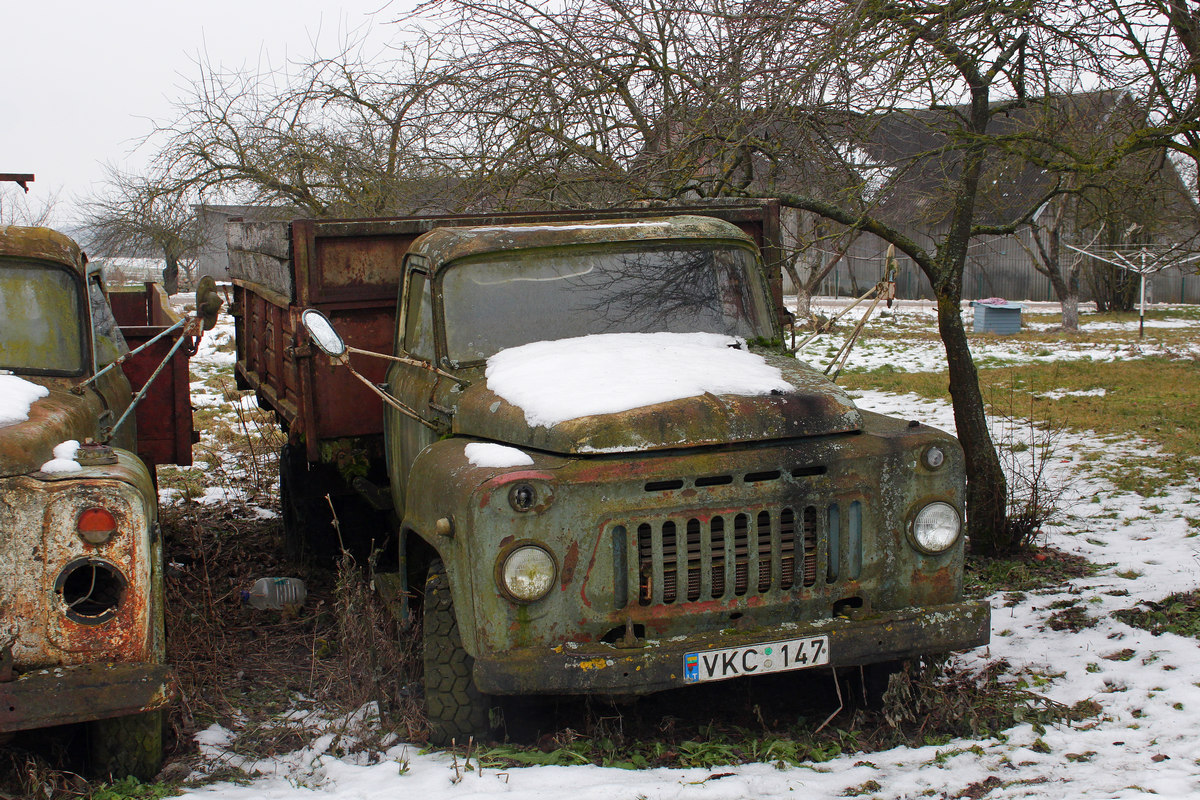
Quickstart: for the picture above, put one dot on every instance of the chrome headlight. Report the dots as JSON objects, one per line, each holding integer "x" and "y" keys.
{"x": 528, "y": 573}
{"x": 936, "y": 527}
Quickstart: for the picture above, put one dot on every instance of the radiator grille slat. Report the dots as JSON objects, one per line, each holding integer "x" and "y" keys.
{"x": 695, "y": 558}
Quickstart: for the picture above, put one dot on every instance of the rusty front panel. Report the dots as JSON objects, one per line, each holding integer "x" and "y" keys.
{"x": 40, "y": 546}
{"x": 693, "y": 543}
{"x": 64, "y": 696}
{"x": 41, "y": 243}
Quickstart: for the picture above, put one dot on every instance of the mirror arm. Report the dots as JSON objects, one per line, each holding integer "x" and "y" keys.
{"x": 391, "y": 401}
{"x": 412, "y": 362}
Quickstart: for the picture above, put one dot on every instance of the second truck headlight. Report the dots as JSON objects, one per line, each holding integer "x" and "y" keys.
{"x": 528, "y": 573}
{"x": 936, "y": 527}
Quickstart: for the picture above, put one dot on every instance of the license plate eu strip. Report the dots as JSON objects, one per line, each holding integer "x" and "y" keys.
{"x": 756, "y": 659}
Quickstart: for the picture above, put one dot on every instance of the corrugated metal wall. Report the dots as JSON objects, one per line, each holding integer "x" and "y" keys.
{"x": 996, "y": 267}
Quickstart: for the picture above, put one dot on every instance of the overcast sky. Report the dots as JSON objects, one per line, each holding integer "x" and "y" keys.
{"x": 84, "y": 81}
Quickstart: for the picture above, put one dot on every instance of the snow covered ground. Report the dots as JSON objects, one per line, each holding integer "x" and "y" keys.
{"x": 1145, "y": 740}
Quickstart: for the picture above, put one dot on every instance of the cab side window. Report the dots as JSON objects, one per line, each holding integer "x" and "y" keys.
{"x": 107, "y": 341}
{"x": 418, "y": 317}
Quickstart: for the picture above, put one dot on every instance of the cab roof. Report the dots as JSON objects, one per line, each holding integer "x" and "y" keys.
{"x": 444, "y": 245}
{"x": 43, "y": 244}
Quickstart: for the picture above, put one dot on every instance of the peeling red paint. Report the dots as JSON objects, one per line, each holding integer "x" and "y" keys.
{"x": 569, "y": 562}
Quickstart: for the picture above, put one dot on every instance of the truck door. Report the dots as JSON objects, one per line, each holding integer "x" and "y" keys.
{"x": 107, "y": 346}
{"x": 413, "y": 386}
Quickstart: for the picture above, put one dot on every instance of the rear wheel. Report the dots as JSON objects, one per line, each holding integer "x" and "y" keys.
{"x": 305, "y": 493}
{"x": 124, "y": 746}
{"x": 455, "y": 707}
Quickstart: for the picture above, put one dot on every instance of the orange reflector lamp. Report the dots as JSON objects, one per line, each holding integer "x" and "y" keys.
{"x": 96, "y": 525}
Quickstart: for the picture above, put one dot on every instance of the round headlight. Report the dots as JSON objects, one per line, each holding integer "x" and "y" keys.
{"x": 528, "y": 573}
{"x": 936, "y": 527}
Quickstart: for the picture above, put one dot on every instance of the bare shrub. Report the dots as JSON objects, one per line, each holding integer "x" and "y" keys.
{"x": 1036, "y": 492}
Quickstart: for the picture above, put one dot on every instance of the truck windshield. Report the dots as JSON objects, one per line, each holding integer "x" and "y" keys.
{"x": 507, "y": 300}
{"x": 41, "y": 318}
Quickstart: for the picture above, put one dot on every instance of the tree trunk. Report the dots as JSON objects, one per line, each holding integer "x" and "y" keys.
{"x": 1067, "y": 293}
{"x": 803, "y": 290}
{"x": 803, "y": 303}
{"x": 170, "y": 275}
{"x": 987, "y": 488}
{"x": 1070, "y": 310}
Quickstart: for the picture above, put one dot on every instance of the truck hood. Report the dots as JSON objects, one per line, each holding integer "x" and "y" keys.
{"x": 61, "y": 415}
{"x": 806, "y": 403}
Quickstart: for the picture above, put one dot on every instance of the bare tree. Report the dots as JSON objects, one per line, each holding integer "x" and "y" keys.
{"x": 143, "y": 215}
{"x": 1047, "y": 256}
{"x": 342, "y": 135}
{"x": 17, "y": 209}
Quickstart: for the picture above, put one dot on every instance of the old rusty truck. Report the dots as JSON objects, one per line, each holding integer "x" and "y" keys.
{"x": 591, "y": 489}
{"x": 81, "y": 591}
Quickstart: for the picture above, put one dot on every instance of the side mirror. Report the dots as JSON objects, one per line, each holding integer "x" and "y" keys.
{"x": 322, "y": 332}
{"x": 208, "y": 302}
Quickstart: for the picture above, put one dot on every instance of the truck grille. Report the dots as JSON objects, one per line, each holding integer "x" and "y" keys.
{"x": 697, "y": 558}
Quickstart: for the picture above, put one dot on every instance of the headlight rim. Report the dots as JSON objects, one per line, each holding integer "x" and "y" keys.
{"x": 927, "y": 453}
{"x": 502, "y": 561}
{"x": 921, "y": 546}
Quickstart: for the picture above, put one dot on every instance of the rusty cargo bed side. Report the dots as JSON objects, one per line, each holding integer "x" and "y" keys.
{"x": 351, "y": 270}
{"x": 164, "y": 417}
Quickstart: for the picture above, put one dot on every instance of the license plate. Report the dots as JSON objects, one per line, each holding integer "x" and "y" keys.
{"x": 755, "y": 659}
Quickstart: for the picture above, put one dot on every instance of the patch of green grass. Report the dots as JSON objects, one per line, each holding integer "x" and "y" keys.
{"x": 1178, "y": 613}
{"x": 923, "y": 705}
{"x": 1073, "y": 618}
{"x": 1152, "y": 399}
{"x": 870, "y": 787}
{"x": 1025, "y": 571}
{"x": 133, "y": 789}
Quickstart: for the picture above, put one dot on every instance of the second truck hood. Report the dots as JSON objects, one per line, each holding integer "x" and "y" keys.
{"x": 814, "y": 406}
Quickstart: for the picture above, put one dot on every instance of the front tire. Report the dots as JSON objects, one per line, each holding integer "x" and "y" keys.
{"x": 455, "y": 707}
{"x": 124, "y": 746}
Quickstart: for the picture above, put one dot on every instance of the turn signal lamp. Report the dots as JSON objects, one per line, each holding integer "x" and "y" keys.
{"x": 96, "y": 526}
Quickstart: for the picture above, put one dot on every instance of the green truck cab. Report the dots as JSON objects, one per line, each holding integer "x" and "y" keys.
{"x": 564, "y": 533}
{"x": 81, "y": 593}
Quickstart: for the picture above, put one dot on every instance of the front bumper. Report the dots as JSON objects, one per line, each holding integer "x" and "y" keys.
{"x": 655, "y": 666}
{"x": 65, "y": 695}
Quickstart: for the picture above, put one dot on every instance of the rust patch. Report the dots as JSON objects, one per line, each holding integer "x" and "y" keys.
{"x": 570, "y": 561}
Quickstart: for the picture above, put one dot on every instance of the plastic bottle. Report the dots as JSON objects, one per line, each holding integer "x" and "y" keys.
{"x": 275, "y": 593}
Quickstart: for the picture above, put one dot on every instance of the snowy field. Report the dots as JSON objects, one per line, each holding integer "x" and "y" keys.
{"x": 1145, "y": 740}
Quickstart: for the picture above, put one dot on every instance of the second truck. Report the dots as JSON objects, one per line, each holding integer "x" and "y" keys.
{"x": 593, "y": 464}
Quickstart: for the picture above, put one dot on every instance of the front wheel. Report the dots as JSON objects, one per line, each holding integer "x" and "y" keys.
{"x": 455, "y": 707}
{"x": 124, "y": 746}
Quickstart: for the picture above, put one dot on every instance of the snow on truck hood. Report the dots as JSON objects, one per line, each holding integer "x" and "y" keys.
{"x": 16, "y": 396}
{"x": 36, "y": 416}
{"x": 646, "y": 391}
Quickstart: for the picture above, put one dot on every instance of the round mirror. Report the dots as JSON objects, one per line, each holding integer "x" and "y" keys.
{"x": 321, "y": 331}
